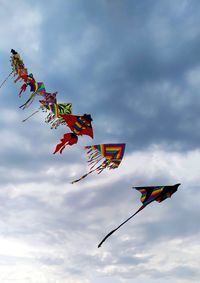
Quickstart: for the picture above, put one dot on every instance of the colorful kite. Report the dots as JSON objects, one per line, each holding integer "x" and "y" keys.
{"x": 48, "y": 98}
{"x": 79, "y": 125}
{"x": 56, "y": 110}
{"x": 149, "y": 194}
{"x": 17, "y": 65}
{"x": 37, "y": 88}
{"x": 110, "y": 154}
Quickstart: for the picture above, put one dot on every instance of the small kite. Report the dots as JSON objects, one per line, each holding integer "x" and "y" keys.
{"x": 149, "y": 194}
{"x": 48, "y": 98}
{"x": 79, "y": 125}
{"x": 37, "y": 88}
{"x": 56, "y": 110}
{"x": 17, "y": 64}
{"x": 110, "y": 154}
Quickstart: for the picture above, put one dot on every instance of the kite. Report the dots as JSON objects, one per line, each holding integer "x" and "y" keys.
{"x": 79, "y": 125}
{"x": 37, "y": 88}
{"x": 56, "y": 110}
{"x": 48, "y": 98}
{"x": 110, "y": 154}
{"x": 17, "y": 64}
{"x": 149, "y": 194}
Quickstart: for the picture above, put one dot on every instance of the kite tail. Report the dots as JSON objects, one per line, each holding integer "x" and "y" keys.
{"x": 113, "y": 231}
{"x": 30, "y": 116}
{"x": 62, "y": 148}
{"x": 29, "y": 101}
{"x": 75, "y": 181}
{"x": 6, "y": 79}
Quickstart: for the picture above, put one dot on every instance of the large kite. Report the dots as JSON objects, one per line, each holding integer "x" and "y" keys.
{"x": 149, "y": 194}
{"x": 110, "y": 156}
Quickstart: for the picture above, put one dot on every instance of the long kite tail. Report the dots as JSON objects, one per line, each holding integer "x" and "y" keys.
{"x": 6, "y": 79}
{"x": 29, "y": 101}
{"x": 113, "y": 231}
{"x": 75, "y": 181}
{"x": 31, "y": 115}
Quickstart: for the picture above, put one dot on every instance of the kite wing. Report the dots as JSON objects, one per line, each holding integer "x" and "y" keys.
{"x": 149, "y": 194}
{"x": 80, "y": 125}
{"x": 108, "y": 155}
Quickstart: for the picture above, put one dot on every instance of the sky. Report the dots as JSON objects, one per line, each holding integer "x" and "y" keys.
{"x": 135, "y": 67}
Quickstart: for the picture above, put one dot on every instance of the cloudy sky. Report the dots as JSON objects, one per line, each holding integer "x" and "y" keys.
{"x": 135, "y": 67}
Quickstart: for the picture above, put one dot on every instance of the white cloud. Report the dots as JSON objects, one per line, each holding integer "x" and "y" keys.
{"x": 20, "y": 25}
{"x": 70, "y": 249}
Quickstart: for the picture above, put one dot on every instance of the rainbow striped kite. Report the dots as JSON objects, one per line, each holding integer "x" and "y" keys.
{"x": 110, "y": 154}
{"x": 149, "y": 194}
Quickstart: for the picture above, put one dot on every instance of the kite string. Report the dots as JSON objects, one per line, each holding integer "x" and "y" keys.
{"x": 6, "y": 79}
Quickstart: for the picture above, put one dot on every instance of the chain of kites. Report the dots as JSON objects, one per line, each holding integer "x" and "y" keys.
{"x": 100, "y": 156}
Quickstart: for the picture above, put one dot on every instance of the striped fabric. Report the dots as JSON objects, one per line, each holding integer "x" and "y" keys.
{"x": 112, "y": 154}
{"x": 80, "y": 125}
{"x": 60, "y": 109}
{"x": 149, "y": 194}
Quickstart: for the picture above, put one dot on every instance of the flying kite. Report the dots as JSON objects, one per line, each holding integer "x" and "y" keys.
{"x": 79, "y": 125}
{"x": 56, "y": 110}
{"x": 110, "y": 154}
{"x": 37, "y": 88}
{"x": 149, "y": 194}
{"x": 17, "y": 65}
